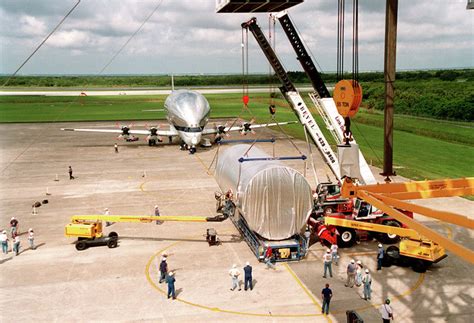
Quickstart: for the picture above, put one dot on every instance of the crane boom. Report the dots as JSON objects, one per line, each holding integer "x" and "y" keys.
{"x": 294, "y": 98}
{"x": 322, "y": 100}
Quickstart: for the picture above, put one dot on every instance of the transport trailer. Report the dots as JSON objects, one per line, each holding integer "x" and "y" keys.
{"x": 291, "y": 249}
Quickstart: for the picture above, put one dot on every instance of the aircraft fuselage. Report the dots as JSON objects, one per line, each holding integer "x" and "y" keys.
{"x": 188, "y": 112}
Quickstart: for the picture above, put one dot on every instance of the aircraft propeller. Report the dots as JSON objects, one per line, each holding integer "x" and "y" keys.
{"x": 246, "y": 127}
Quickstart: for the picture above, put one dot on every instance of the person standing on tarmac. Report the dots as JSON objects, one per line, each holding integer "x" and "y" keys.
{"x": 14, "y": 227}
{"x": 70, "y": 173}
{"x": 351, "y": 272}
{"x": 387, "y": 312}
{"x": 327, "y": 258}
{"x": 16, "y": 244}
{"x": 248, "y": 276}
{"x": 367, "y": 281}
{"x": 326, "y": 295}
{"x": 31, "y": 238}
{"x": 4, "y": 241}
{"x": 163, "y": 269}
{"x": 157, "y": 213}
{"x": 170, "y": 280}
{"x": 380, "y": 255}
{"x": 116, "y": 148}
{"x": 359, "y": 271}
{"x": 335, "y": 256}
{"x": 234, "y": 273}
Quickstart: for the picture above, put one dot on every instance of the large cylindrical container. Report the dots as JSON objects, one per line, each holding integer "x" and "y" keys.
{"x": 274, "y": 199}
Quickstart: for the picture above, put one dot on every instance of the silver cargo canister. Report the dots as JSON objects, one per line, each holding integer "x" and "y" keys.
{"x": 274, "y": 199}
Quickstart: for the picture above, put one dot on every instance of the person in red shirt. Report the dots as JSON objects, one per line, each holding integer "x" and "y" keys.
{"x": 269, "y": 258}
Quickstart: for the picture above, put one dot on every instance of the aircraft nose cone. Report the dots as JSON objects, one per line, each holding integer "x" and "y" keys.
{"x": 194, "y": 140}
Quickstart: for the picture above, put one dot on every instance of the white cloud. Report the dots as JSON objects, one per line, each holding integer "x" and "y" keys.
{"x": 188, "y": 36}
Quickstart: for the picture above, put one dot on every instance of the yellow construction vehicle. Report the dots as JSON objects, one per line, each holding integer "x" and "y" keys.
{"x": 389, "y": 196}
{"x": 414, "y": 250}
{"x": 88, "y": 228}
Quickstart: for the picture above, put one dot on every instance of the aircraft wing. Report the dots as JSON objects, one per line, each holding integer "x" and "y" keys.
{"x": 132, "y": 132}
{"x": 241, "y": 128}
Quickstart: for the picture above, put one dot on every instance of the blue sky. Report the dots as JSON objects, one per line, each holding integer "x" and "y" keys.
{"x": 187, "y": 36}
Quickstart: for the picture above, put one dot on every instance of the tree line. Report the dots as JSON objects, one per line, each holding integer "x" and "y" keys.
{"x": 443, "y": 94}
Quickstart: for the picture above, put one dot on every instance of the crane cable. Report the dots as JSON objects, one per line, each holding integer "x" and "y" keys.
{"x": 340, "y": 40}
{"x": 41, "y": 44}
{"x": 355, "y": 42}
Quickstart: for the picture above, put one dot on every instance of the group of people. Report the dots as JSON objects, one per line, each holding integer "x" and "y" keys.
{"x": 234, "y": 273}
{"x": 15, "y": 236}
{"x": 356, "y": 275}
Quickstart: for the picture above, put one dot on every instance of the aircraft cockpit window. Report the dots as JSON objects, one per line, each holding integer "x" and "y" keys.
{"x": 189, "y": 129}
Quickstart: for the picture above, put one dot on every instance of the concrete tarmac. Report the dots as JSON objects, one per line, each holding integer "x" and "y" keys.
{"x": 56, "y": 282}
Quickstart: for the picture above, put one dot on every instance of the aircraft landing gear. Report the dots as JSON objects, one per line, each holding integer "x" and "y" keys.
{"x": 192, "y": 150}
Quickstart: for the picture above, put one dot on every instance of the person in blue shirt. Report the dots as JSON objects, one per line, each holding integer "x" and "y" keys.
{"x": 170, "y": 280}
{"x": 380, "y": 255}
{"x": 248, "y": 276}
{"x": 326, "y": 295}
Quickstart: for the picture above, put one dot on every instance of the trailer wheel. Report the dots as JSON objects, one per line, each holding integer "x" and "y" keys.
{"x": 81, "y": 245}
{"x": 112, "y": 243}
{"x": 418, "y": 266}
{"x": 113, "y": 234}
{"x": 347, "y": 237}
{"x": 390, "y": 238}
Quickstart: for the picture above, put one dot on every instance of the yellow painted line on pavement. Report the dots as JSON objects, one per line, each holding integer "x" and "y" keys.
{"x": 310, "y": 295}
{"x": 420, "y": 280}
{"x": 209, "y": 308}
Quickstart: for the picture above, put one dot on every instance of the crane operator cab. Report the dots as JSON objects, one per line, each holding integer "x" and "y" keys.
{"x": 365, "y": 211}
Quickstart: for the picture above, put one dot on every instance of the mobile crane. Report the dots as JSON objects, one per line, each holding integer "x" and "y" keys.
{"x": 89, "y": 229}
{"x": 306, "y": 118}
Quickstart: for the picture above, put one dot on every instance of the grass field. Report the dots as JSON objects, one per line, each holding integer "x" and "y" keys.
{"x": 423, "y": 148}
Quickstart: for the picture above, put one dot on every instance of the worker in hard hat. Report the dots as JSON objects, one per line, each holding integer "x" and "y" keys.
{"x": 31, "y": 238}
{"x": 359, "y": 271}
{"x": 163, "y": 268}
{"x": 234, "y": 273}
{"x": 367, "y": 281}
{"x": 4, "y": 241}
{"x": 327, "y": 259}
{"x": 380, "y": 255}
{"x": 351, "y": 272}
{"x": 387, "y": 312}
{"x": 170, "y": 280}
{"x": 106, "y": 213}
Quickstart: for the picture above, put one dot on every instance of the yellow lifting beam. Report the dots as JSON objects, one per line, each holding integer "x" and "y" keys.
{"x": 457, "y": 249}
{"x": 444, "y": 216}
{"x": 416, "y": 189}
{"x": 136, "y": 218}
{"x": 387, "y": 196}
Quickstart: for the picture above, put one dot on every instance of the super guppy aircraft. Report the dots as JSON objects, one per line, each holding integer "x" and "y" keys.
{"x": 187, "y": 113}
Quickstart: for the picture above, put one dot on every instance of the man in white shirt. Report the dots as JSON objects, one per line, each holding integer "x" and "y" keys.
{"x": 387, "y": 312}
{"x": 234, "y": 273}
{"x": 327, "y": 258}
